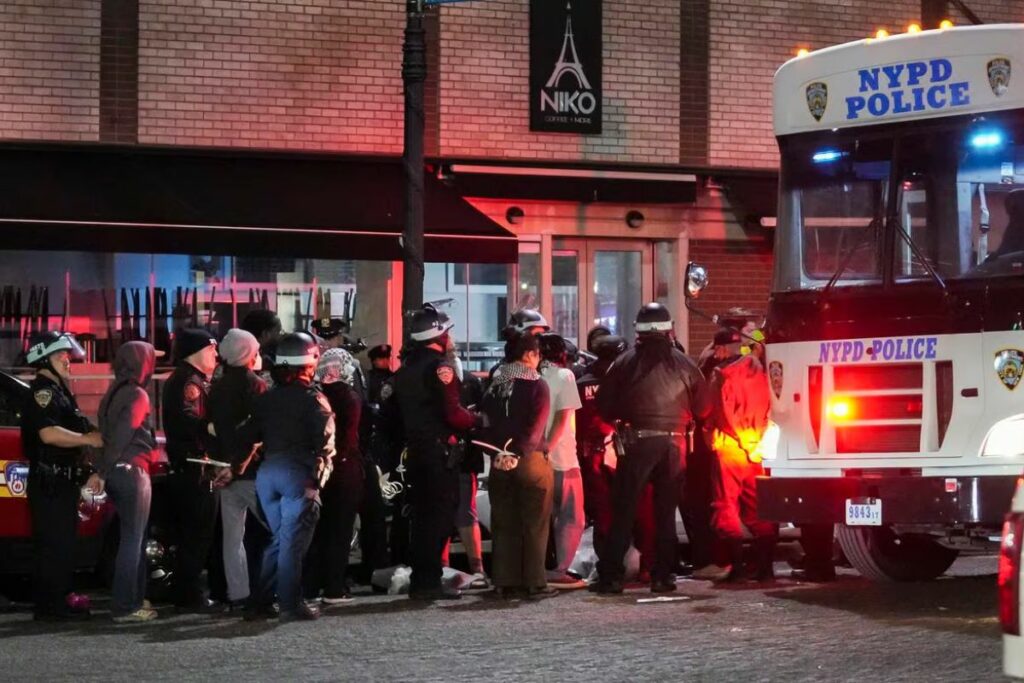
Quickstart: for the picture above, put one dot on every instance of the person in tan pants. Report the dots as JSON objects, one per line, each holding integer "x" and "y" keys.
{"x": 521, "y": 481}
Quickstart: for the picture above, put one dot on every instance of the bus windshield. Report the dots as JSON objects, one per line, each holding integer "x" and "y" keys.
{"x": 957, "y": 210}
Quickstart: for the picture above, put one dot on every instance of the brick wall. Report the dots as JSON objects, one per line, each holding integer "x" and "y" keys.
{"x": 739, "y": 275}
{"x": 749, "y": 41}
{"x": 485, "y": 84}
{"x": 299, "y": 74}
{"x": 49, "y": 69}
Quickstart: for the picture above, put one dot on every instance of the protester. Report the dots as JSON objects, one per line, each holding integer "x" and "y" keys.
{"x": 521, "y": 479}
{"x": 327, "y": 563}
{"x": 230, "y": 404}
{"x": 122, "y": 469}
{"x": 560, "y": 435}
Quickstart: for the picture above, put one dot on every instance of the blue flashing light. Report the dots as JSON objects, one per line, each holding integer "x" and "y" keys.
{"x": 987, "y": 139}
{"x": 827, "y": 156}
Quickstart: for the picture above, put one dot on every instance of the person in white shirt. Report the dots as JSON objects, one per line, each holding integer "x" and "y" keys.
{"x": 567, "y": 511}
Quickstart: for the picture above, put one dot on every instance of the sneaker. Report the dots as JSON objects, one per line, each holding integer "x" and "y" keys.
{"x": 711, "y": 572}
{"x": 566, "y": 582}
{"x": 478, "y": 581}
{"x": 337, "y": 600}
{"x": 302, "y": 613}
{"x": 139, "y": 616}
{"x": 540, "y": 593}
{"x": 663, "y": 586}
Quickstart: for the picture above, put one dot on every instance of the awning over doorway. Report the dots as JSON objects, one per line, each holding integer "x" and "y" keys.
{"x": 229, "y": 202}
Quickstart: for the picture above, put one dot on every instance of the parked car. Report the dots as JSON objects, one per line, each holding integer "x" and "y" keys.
{"x": 97, "y": 528}
{"x": 1011, "y": 598}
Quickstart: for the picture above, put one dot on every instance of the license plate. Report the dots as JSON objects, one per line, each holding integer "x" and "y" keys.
{"x": 863, "y": 512}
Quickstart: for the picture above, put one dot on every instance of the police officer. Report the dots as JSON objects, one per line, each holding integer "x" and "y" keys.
{"x": 425, "y": 402}
{"x": 380, "y": 359}
{"x": 295, "y": 424}
{"x": 741, "y": 403}
{"x": 53, "y": 435}
{"x": 651, "y": 393}
{"x": 186, "y": 425}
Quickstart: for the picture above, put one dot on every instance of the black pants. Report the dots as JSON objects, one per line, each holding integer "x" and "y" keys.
{"x": 373, "y": 527}
{"x": 326, "y": 564}
{"x": 657, "y": 460}
{"x": 695, "y": 502}
{"x": 196, "y": 513}
{"x": 434, "y": 497}
{"x": 53, "y": 506}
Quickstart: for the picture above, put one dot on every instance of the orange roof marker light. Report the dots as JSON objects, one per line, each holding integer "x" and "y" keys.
{"x": 881, "y": 33}
{"x": 946, "y": 23}
{"x": 914, "y": 28}
{"x": 803, "y": 52}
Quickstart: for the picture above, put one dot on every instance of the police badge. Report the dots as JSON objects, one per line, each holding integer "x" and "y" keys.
{"x": 817, "y": 99}
{"x": 1009, "y": 364}
{"x": 775, "y": 377}
{"x": 999, "y": 75}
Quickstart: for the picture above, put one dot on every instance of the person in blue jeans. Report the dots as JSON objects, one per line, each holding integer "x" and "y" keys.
{"x": 295, "y": 424}
{"x": 122, "y": 469}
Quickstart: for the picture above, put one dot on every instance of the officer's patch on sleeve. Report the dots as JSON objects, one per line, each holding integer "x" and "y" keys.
{"x": 445, "y": 374}
{"x": 43, "y": 397}
{"x": 191, "y": 392}
{"x": 386, "y": 391}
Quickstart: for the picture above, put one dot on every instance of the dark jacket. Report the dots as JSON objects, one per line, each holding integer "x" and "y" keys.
{"x": 653, "y": 386}
{"x": 425, "y": 401}
{"x": 184, "y": 411}
{"x": 124, "y": 413}
{"x": 472, "y": 394}
{"x": 347, "y": 407}
{"x": 591, "y": 430}
{"x": 517, "y": 405}
{"x": 230, "y": 404}
{"x": 293, "y": 421}
{"x": 50, "y": 404}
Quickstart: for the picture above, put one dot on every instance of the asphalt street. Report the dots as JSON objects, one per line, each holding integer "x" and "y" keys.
{"x": 850, "y": 630}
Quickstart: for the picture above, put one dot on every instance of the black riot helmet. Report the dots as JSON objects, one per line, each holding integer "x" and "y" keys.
{"x": 609, "y": 347}
{"x": 428, "y": 325}
{"x": 594, "y": 335}
{"x": 296, "y": 350}
{"x": 654, "y": 318}
{"x": 42, "y": 345}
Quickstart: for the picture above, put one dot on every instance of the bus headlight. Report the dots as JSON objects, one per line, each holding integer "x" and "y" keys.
{"x": 1005, "y": 438}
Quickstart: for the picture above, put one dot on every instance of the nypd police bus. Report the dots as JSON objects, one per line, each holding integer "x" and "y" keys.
{"x": 896, "y": 323}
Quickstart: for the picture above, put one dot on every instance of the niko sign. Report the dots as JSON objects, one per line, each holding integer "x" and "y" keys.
{"x": 565, "y": 66}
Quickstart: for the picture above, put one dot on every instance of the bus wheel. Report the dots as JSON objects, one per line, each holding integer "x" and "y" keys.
{"x": 879, "y": 554}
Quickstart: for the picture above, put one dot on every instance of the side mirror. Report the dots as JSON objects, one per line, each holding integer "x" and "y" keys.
{"x": 696, "y": 280}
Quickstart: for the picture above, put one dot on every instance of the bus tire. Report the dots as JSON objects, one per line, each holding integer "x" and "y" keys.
{"x": 880, "y": 555}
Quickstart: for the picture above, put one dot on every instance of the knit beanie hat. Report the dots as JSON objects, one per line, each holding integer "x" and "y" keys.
{"x": 238, "y": 347}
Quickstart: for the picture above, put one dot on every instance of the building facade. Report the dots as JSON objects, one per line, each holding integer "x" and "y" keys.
{"x": 683, "y": 168}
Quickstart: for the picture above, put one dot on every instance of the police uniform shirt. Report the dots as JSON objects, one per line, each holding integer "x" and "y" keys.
{"x": 427, "y": 391}
{"x": 49, "y": 404}
{"x": 185, "y": 413}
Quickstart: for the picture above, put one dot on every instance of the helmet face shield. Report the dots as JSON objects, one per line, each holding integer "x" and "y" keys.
{"x": 63, "y": 342}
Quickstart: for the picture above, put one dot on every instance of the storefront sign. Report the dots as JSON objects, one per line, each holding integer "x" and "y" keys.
{"x": 565, "y": 66}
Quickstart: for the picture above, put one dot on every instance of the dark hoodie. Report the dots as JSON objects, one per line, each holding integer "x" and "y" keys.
{"x": 125, "y": 412}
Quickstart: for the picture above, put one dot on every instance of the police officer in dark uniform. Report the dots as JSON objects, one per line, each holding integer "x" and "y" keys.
{"x": 651, "y": 393}
{"x": 53, "y": 435}
{"x": 186, "y": 425}
{"x": 425, "y": 402}
{"x": 380, "y": 358}
{"x": 296, "y": 426}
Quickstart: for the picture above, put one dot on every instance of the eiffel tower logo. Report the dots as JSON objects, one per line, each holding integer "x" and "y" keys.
{"x": 565, "y": 65}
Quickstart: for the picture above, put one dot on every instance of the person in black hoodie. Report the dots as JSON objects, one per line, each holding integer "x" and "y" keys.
{"x": 521, "y": 482}
{"x": 230, "y": 404}
{"x": 327, "y": 563}
{"x": 122, "y": 468}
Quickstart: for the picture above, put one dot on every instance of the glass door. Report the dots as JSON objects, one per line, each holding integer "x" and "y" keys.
{"x": 614, "y": 278}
